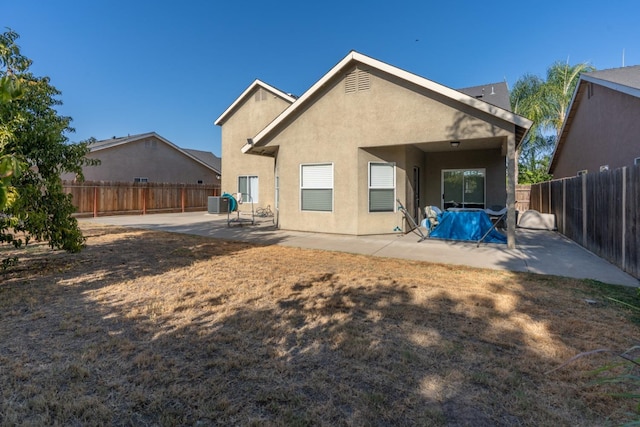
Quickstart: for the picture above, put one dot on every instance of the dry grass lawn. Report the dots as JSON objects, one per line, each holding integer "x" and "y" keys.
{"x": 150, "y": 328}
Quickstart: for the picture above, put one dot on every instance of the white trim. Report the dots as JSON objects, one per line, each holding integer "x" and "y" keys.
{"x": 613, "y": 86}
{"x": 397, "y": 72}
{"x": 256, "y": 83}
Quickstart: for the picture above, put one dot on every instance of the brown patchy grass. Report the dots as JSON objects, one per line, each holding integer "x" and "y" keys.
{"x": 150, "y": 328}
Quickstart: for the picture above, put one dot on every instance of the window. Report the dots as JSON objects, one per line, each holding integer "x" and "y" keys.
{"x": 582, "y": 172}
{"x": 200, "y": 181}
{"x": 140, "y": 179}
{"x": 604, "y": 168}
{"x": 382, "y": 187}
{"x": 316, "y": 187}
{"x": 636, "y": 161}
{"x": 248, "y": 186}
{"x": 463, "y": 188}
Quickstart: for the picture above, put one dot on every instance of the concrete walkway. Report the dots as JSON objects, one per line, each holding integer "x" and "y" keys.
{"x": 543, "y": 252}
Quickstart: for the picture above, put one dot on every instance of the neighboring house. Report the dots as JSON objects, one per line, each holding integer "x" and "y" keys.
{"x": 602, "y": 128}
{"x": 336, "y": 159}
{"x": 149, "y": 157}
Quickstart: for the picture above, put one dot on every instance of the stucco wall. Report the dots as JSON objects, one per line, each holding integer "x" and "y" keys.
{"x": 390, "y": 114}
{"x": 148, "y": 158}
{"x": 250, "y": 117}
{"x": 604, "y": 131}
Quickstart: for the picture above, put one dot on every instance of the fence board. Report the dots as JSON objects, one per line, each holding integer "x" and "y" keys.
{"x": 632, "y": 219}
{"x": 603, "y": 224}
{"x": 113, "y": 198}
{"x": 523, "y": 194}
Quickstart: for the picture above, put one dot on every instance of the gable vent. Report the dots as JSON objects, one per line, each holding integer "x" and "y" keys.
{"x": 261, "y": 95}
{"x": 357, "y": 80}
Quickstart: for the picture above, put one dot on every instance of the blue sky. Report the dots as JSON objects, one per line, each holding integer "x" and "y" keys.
{"x": 136, "y": 66}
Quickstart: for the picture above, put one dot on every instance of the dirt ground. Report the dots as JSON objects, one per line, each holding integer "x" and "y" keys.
{"x": 151, "y": 328}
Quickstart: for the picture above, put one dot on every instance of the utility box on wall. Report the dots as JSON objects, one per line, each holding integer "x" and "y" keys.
{"x": 218, "y": 204}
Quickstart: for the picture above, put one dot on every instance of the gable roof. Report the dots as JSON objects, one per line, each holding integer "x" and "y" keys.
{"x": 522, "y": 124}
{"x": 625, "y": 80}
{"x": 494, "y": 93}
{"x": 206, "y": 157}
{"x": 116, "y": 141}
{"x": 256, "y": 83}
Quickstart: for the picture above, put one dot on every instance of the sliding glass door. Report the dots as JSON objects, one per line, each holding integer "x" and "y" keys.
{"x": 463, "y": 188}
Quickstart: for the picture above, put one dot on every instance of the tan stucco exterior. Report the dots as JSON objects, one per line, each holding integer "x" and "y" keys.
{"x": 258, "y": 107}
{"x": 389, "y": 119}
{"x": 603, "y": 130}
{"x": 148, "y": 157}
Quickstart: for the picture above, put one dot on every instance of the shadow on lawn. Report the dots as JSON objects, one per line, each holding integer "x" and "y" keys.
{"x": 367, "y": 351}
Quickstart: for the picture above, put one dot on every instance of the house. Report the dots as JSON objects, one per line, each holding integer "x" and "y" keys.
{"x": 367, "y": 133}
{"x": 601, "y": 129}
{"x": 149, "y": 157}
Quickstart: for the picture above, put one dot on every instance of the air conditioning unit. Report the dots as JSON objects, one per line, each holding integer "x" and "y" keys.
{"x": 218, "y": 204}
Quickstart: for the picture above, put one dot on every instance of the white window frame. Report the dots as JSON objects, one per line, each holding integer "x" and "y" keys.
{"x": 141, "y": 179}
{"x": 316, "y": 186}
{"x": 250, "y": 191}
{"x": 373, "y": 186}
{"x": 582, "y": 172}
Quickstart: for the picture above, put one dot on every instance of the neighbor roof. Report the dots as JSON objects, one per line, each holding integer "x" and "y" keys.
{"x": 256, "y": 83}
{"x": 207, "y": 157}
{"x": 116, "y": 141}
{"x": 625, "y": 80}
{"x": 522, "y": 124}
{"x": 494, "y": 93}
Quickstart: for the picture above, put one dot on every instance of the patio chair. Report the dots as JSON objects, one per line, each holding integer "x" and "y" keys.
{"x": 432, "y": 214}
{"x": 497, "y": 214}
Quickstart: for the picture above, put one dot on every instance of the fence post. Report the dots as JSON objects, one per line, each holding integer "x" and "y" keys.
{"x": 95, "y": 201}
{"x": 624, "y": 217}
{"x": 182, "y": 199}
{"x": 144, "y": 200}
{"x": 584, "y": 210}
{"x": 564, "y": 207}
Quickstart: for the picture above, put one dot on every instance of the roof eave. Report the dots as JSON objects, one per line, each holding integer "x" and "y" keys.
{"x": 243, "y": 95}
{"x": 354, "y": 56}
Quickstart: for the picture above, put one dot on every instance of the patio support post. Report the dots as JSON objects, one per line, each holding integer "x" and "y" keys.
{"x": 511, "y": 191}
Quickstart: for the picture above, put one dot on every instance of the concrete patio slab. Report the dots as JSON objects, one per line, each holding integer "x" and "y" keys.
{"x": 537, "y": 251}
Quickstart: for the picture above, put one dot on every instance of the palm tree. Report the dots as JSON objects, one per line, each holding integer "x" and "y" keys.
{"x": 562, "y": 79}
{"x": 546, "y": 103}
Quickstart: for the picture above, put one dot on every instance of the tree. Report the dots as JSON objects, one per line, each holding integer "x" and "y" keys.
{"x": 33, "y": 137}
{"x": 546, "y": 103}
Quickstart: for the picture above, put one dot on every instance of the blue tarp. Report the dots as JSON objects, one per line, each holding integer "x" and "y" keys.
{"x": 466, "y": 225}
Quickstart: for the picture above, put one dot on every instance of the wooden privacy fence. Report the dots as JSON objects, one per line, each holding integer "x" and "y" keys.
{"x": 523, "y": 193}
{"x": 116, "y": 198}
{"x": 599, "y": 211}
